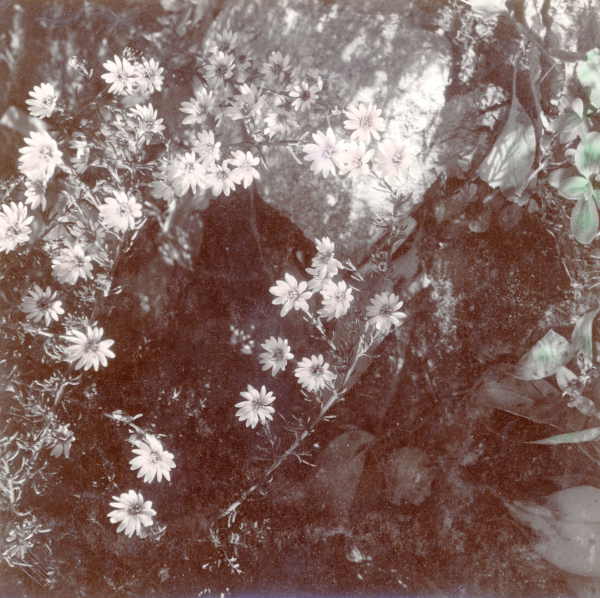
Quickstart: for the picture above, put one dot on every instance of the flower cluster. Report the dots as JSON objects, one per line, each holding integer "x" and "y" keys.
{"x": 128, "y": 76}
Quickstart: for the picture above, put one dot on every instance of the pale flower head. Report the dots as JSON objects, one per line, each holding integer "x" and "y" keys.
{"x": 151, "y": 74}
{"x": 313, "y": 373}
{"x": 71, "y": 264}
{"x": 244, "y": 170}
{"x": 277, "y": 68}
{"x": 384, "y": 312}
{"x": 152, "y": 460}
{"x": 290, "y": 294}
{"x": 207, "y": 149}
{"x": 148, "y": 118}
{"x": 42, "y": 101}
{"x": 220, "y": 179}
{"x": 391, "y": 158}
{"x": 15, "y": 226}
{"x": 61, "y": 440}
{"x": 277, "y": 354}
{"x": 88, "y": 349}
{"x": 199, "y": 107}
{"x": 256, "y": 407}
{"x": 304, "y": 95}
{"x": 365, "y": 121}
{"x": 322, "y": 152}
{"x": 220, "y": 68}
{"x": 337, "y": 297}
{"x": 131, "y": 512}
{"x": 354, "y": 159}
{"x": 40, "y": 156}
{"x": 120, "y": 212}
{"x": 186, "y": 172}
{"x": 120, "y": 75}
{"x": 324, "y": 264}
{"x": 40, "y": 304}
{"x": 35, "y": 193}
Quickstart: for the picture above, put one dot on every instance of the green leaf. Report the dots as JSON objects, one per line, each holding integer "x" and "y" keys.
{"x": 587, "y": 155}
{"x": 581, "y": 338}
{"x": 508, "y": 165}
{"x": 584, "y": 220}
{"x": 570, "y": 437}
{"x": 544, "y": 358}
{"x": 588, "y": 70}
{"x": 574, "y": 187}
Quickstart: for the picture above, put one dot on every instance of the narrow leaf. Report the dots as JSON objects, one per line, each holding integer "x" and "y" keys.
{"x": 571, "y": 437}
{"x": 584, "y": 220}
{"x": 508, "y": 165}
{"x": 545, "y": 357}
{"x": 581, "y": 338}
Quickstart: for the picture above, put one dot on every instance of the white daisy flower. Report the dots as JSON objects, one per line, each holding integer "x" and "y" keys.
{"x": 199, "y": 107}
{"x": 152, "y": 75}
{"x": 277, "y": 354}
{"x": 337, "y": 298}
{"x": 61, "y": 440}
{"x": 149, "y": 119}
{"x": 304, "y": 95}
{"x": 279, "y": 123}
{"x": 15, "y": 226}
{"x": 221, "y": 180}
{"x": 220, "y": 68}
{"x": 152, "y": 460}
{"x": 35, "y": 193}
{"x": 277, "y": 68}
{"x": 120, "y": 212}
{"x": 391, "y": 158}
{"x": 186, "y": 172}
{"x": 290, "y": 294}
{"x": 365, "y": 121}
{"x": 42, "y": 101}
{"x": 40, "y": 304}
{"x": 314, "y": 374}
{"x": 384, "y": 312}
{"x": 324, "y": 264}
{"x": 207, "y": 149}
{"x": 256, "y": 407}
{"x": 244, "y": 170}
{"x": 87, "y": 349}
{"x": 71, "y": 264}
{"x": 120, "y": 75}
{"x": 322, "y": 152}
{"x": 40, "y": 156}
{"x": 354, "y": 159}
{"x": 131, "y": 512}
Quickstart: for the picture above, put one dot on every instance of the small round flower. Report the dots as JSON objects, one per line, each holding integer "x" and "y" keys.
{"x": 365, "y": 121}
{"x": 71, "y": 264}
{"x": 244, "y": 170}
{"x": 314, "y": 374}
{"x": 290, "y": 294}
{"x": 15, "y": 226}
{"x": 322, "y": 152}
{"x": 337, "y": 297}
{"x": 42, "y": 100}
{"x": 61, "y": 440}
{"x": 120, "y": 75}
{"x": 40, "y": 304}
{"x": 87, "y": 349}
{"x": 384, "y": 312}
{"x": 131, "y": 513}
{"x": 152, "y": 460}
{"x": 120, "y": 212}
{"x": 277, "y": 354}
{"x": 256, "y": 406}
{"x": 40, "y": 156}
{"x": 391, "y": 158}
